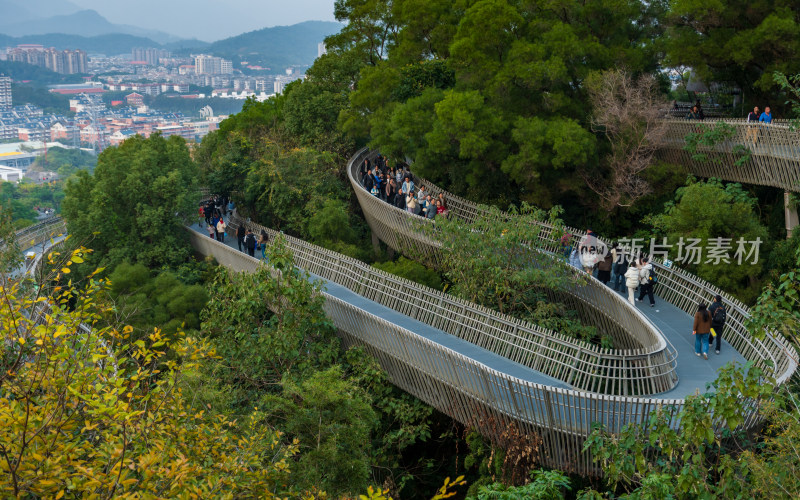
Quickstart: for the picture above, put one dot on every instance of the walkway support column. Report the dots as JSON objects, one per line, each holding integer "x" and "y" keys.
{"x": 790, "y": 211}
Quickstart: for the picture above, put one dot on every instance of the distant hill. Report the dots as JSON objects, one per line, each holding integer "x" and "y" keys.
{"x": 17, "y": 11}
{"x": 83, "y": 22}
{"x": 276, "y": 47}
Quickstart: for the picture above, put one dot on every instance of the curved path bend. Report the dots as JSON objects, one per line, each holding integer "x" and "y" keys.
{"x": 509, "y": 379}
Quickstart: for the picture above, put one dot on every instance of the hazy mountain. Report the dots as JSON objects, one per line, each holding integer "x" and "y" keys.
{"x": 276, "y": 47}
{"x": 83, "y": 22}
{"x": 15, "y": 11}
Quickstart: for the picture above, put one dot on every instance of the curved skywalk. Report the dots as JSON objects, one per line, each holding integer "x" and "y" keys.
{"x": 693, "y": 373}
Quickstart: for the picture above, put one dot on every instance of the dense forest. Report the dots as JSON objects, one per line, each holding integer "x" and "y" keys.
{"x": 191, "y": 385}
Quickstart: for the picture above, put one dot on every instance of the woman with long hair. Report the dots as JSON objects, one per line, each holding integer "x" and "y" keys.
{"x": 263, "y": 240}
{"x": 701, "y": 329}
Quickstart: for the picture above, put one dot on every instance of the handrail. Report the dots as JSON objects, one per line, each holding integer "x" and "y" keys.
{"x": 641, "y": 345}
{"x": 676, "y": 286}
{"x": 774, "y": 152}
{"x": 468, "y": 390}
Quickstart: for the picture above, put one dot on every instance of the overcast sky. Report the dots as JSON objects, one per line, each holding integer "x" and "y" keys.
{"x": 210, "y": 20}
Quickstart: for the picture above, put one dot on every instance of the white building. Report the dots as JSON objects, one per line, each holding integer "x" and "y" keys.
{"x": 10, "y": 174}
{"x": 321, "y": 49}
{"x": 5, "y": 92}
{"x": 210, "y": 65}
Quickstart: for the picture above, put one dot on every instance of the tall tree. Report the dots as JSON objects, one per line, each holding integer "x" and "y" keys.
{"x": 735, "y": 41}
{"x": 133, "y": 206}
{"x": 483, "y": 95}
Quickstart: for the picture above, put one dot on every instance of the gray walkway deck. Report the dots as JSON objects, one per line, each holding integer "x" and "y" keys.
{"x": 693, "y": 372}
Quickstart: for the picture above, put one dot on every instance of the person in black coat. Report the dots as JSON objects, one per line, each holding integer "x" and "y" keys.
{"x": 240, "y": 234}
{"x": 250, "y": 243}
{"x": 718, "y": 316}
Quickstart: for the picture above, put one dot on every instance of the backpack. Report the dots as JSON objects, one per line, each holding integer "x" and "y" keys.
{"x": 720, "y": 315}
{"x": 250, "y": 241}
{"x": 652, "y": 278}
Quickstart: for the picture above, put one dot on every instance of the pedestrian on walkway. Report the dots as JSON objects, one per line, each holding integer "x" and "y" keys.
{"x": 240, "y": 234}
{"x": 400, "y": 200}
{"x": 700, "y": 329}
{"x": 646, "y": 280}
{"x": 752, "y": 129}
{"x": 575, "y": 258}
{"x": 263, "y": 240}
{"x": 604, "y": 268}
{"x": 411, "y": 202}
{"x": 632, "y": 281}
{"x": 766, "y": 116}
{"x": 718, "y": 316}
{"x": 620, "y": 269}
{"x": 221, "y": 228}
{"x": 250, "y": 243}
{"x": 211, "y": 231}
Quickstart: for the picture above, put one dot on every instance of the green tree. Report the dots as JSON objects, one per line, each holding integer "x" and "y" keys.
{"x": 659, "y": 460}
{"x": 332, "y": 419}
{"x": 708, "y": 211}
{"x": 144, "y": 301}
{"x": 66, "y": 161}
{"x": 495, "y": 261}
{"x": 546, "y": 485}
{"x": 413, "y": 271}
{"x": 487, "y": 95}
{"x": 734, "y": 41}
{"x": 268, "y": 325}
{"x": 133, "y": 206}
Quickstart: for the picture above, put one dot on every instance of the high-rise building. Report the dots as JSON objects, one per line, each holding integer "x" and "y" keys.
{"x": 210, "y": 65}
{"x": 150, "y": 55}
{"x": 5, "y": 92}
{"x": 321, "y": 49}
{"x": 61, "y": 61}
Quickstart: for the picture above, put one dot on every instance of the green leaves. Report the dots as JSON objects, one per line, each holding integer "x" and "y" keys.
{"x": 132, "y": 199}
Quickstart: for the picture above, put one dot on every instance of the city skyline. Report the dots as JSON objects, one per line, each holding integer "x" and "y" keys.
{"x": 210, "y": 20}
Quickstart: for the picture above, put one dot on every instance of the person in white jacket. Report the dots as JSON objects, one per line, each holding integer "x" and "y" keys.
{"x": 646, "y": 287}
{"x": 632, "y": 281}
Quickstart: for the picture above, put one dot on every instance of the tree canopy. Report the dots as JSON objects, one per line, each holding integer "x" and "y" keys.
{"x": 133, "y": 206}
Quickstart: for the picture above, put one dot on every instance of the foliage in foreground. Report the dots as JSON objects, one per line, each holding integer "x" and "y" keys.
{"x": 90, "y": 414}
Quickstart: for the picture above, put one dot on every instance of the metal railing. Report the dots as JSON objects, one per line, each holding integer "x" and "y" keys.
{"x": 491, "y": 401}
{"x": 463, "y": 388}
{"x": 641, "y": 349}
{"x": 774, "y": 152}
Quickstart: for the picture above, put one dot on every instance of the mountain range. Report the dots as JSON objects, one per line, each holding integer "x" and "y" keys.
{"x": 38, "y": 17}
{"x": 64, "y": 25}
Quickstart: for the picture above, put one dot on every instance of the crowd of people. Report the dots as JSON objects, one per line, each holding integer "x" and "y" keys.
{"x": 214, "y": 211}
{"x": 396, "y": 186}
{"x": 637, "y": 273}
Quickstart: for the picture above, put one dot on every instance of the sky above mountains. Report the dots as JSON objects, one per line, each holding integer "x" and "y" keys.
{"x": 210, "y": 20}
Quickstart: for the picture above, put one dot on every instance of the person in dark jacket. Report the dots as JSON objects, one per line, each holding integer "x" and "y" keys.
{"x": 604, "y": 268}
{"x": 718, "y": 316}
{"x": 620, "y": 267}
{"x": 701, "y": 329}
{"x": 400, "y": 200}
{"x": 240, "y": 234}
{"x": 250, "y": 243}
